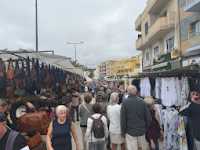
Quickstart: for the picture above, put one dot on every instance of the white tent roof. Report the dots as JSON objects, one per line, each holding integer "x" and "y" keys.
{"x": 47, "y": 58}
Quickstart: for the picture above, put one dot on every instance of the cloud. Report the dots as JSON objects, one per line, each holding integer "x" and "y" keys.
{"x": 105, "y": 26}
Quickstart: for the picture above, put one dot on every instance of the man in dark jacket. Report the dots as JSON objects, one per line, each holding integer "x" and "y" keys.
{"x": 135, "y": 119}
{"x": 9, "y": 139}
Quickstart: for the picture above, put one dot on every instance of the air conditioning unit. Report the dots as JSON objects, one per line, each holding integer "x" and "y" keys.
{"x": 175, "y": 53}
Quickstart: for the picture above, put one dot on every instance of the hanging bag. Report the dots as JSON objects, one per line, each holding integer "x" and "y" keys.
{"x": 11, "y": 140}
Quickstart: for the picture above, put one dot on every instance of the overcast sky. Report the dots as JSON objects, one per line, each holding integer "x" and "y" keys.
{"x": 105, "y": 26}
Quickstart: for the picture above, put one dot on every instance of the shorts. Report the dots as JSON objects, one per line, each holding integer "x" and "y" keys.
{"x": 116, "y": 138}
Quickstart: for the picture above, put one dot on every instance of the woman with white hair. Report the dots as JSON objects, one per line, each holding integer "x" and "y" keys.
{"x": 60, "y": 131}
{"x": 113, "y": 113}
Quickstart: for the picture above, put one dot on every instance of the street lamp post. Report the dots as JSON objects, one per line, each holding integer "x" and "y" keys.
{"x": 75, "y": 48}
{"x": 36, "y": 25}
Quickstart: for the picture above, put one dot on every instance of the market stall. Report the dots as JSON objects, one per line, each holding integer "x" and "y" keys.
{"x": 171, "y": 89}
{"x": 32, "y": 83}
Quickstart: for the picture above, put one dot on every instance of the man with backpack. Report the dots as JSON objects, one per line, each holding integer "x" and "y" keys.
{"x": 97, "y": 130}
{"x": 10, "y": 139}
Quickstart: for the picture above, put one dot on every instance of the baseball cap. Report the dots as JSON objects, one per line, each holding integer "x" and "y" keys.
{"x": 2, "y": 117}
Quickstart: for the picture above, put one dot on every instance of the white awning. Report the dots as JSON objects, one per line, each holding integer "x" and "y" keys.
{"x": 58, "y": 61}
{"x": 197, "y": 47}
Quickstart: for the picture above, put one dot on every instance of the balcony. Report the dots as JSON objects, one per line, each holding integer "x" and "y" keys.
{"x": 155, "y": 6}
{"x": 157, "y": 31}
{"x": 192, "y": 5}
{"x": 194, "y": 35}
{"x": 138, "y": 23}
{"x": 194, "y": 39}
{"x": 161, "y": 27}
{"x": 139, "y": 44}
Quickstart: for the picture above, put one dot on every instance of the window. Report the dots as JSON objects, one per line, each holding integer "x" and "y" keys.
{"x": 147, "y": 56}
{"x": 170, "y": 44}
{"x": 195, "y": 28}
{"x": 164, "y": 14}
{"x": 146, "y": 27}
{"x": 138, "y": 65}
{"x": 156, "y": 51}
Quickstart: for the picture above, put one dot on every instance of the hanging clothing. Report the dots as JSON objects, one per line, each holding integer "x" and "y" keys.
{"x": 153, "y": 85}
{"x": 185, "y": 91}
{"x": 194, "y": 84}
{"x": 170, "y": 125}
{"x": 145, "y": 87}
{"x": 174, "y": 130}
{"x": 10, "y": 71}
{"x": 158, "y": 88}
{"x": 182, "y": 134}
{"x": 2, "y": 79}
{"x": 178, "y": 87}
{"x": 169, "y": 92}
{"x": 172, "y": 91}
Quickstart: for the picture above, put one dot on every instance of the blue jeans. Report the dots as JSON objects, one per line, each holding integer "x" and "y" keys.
{"x": 100, "y": 145}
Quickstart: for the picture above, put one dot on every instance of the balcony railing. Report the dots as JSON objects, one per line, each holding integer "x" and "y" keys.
{"x": 163, "y": 24}
{"x": 139, "y": 43}
{"x": 194, "y": 34}
{"x": 194, "y": 38}
{"x": 160, "y": 28}
{"x": 191, "y": 5}
{"x": 138, "y": 23}
{"x": 155, "y": 6}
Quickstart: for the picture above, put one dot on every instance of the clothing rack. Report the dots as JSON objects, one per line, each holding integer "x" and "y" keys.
{"x": 192, "y": 71}
{"x": 175, "y": 107}
{"x": 21, "y": 58}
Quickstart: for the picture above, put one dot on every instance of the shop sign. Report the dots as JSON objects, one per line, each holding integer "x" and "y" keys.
{"x": 175, "y": 64}
{"x": 162, "y": 65}
{"x": 191, "y": 61}
{"x": 162, "y": 58}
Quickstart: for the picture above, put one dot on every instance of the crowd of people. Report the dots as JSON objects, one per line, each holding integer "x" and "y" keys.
{"x": 119, "y": 118}
{"x": 110, "y": 118}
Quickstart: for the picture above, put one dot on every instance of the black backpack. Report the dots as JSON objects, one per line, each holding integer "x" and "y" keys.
{"x": 98, "y": 127}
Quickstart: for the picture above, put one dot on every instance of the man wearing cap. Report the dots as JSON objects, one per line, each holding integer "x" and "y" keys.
{"x": 10, "y": 139}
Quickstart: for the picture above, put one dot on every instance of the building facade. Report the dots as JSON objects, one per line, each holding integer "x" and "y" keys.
{"x": 190, "y": 32}
{"x": 102, "y": 70}
{"x": 126, "y": 67}
{"x": 158, "y": 37}
{"x": 168, "y": 31}
{"x": 117, "y": 69}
